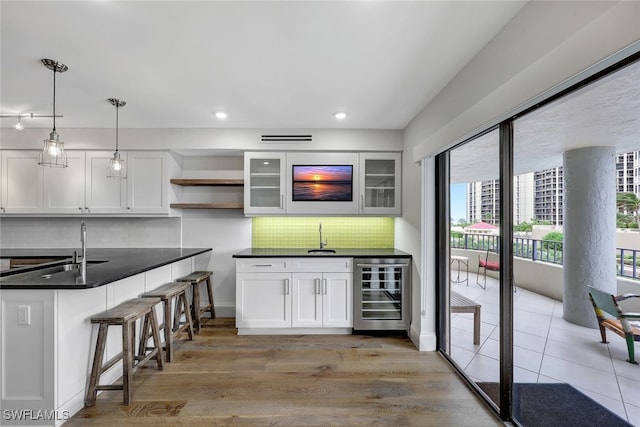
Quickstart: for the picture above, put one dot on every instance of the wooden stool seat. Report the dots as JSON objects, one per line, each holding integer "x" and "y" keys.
{"x": 168, "y": 293}
{"x": 125, "y": 315}
{"x": 195, "y": 279}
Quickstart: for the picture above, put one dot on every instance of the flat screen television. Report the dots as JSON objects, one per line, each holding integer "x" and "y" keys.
{"x": 322, "y": 183}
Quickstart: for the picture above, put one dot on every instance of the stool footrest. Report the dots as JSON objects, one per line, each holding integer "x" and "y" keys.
{"x": 109, "y": 364}
{"x": 110, "y": 387}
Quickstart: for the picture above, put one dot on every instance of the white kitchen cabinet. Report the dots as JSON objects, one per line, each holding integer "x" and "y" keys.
{"x": 103, "y": 195}
{"x": 63, "y": 188}
{"x": 322, "y": 300}
{"x": 263, "y": 300}
{"x": 294, "y": 295}
{"x": 147, "y": 182}
{"x": 83, "y": 187}
{"x": 21, "y": 182}
{"x": 380, "y": 183}
{"x": 265, "y": 186}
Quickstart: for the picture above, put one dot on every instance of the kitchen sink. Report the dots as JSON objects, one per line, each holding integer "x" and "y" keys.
{"x": 321, "y": 251}
{"x": 45, "y": 271}
{"x": 70, "y": 266}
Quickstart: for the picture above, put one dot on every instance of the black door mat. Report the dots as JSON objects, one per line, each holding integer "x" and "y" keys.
{"x": 554, "y": 404}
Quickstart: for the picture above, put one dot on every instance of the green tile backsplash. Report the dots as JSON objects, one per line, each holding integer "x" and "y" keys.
{"x": 339, "y": 232}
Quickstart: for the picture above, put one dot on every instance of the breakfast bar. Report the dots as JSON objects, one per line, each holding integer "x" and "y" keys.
{"x": 45, "y": 313}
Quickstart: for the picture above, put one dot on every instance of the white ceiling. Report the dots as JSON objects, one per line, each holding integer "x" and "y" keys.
{"x": 603, "y": 113}
{"x": 268, "y": 64}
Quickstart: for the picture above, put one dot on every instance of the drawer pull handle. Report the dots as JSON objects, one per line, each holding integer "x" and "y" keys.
{"x": 261, "y": 265}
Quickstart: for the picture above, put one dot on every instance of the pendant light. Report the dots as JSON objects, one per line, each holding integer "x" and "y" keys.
{"x": 53, "y": 154}
{"x": 117, "y": 167}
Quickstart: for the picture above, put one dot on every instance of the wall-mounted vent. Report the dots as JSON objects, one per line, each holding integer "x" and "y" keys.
{"x": 286, "y": 138}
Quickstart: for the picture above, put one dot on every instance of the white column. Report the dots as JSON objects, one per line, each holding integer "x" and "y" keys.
{"x": 589, "y": 229}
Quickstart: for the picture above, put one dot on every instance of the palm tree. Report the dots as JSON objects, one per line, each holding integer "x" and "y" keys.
{"x": 629, "y": 203}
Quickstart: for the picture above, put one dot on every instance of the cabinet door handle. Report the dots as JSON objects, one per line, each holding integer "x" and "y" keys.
{"x": 87, "y": 209}
{"x": 324, "y": 285}
{"x": 286, "y": 286}
{"x": 281, "y": 201}
{"x": 362, "y": 202}
{"x": 317, "y": 286}
{"x": 80, "y": 209}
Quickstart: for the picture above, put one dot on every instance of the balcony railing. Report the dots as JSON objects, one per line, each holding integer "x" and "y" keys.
{"x": 627, "y": 260}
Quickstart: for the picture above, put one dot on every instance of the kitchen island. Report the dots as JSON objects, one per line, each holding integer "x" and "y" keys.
{"x": 46, "y": 337}
{"x": 104, "y": 266}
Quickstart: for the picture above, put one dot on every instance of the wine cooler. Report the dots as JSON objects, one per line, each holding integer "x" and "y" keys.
{"x": 381, "y": 294}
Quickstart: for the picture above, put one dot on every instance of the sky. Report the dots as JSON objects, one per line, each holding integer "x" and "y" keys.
{"x": 458, "y": 202}
{"x": 322, "y": 173}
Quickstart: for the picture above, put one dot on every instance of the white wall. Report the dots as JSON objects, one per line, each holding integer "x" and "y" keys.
{"x": 544, "y": 45}
{"x": 226, "y": 231}
{"x": 236, "y": 140}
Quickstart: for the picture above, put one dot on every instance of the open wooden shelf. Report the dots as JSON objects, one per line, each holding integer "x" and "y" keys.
{"x": 207, "y": 205}
{"x": 207, "y": 182}
{"x": 204, "y": 182}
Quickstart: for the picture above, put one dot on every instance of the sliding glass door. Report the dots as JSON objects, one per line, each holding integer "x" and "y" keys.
{"x": 471, "y": 260}
{"x": 530, "y": 214}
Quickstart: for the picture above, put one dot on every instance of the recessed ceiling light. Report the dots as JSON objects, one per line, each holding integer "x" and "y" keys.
{"x": 340, "y": 115}
{"x": 221, "y": 115}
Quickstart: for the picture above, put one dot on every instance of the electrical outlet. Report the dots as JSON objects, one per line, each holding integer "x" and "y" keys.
{"x": 24, "y": 315}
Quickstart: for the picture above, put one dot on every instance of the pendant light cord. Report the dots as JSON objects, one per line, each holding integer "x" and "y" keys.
{"x": 54, "y": 96}
{"x": 117, "y": 128}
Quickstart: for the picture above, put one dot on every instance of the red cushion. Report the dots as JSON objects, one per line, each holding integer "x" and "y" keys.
{"x": 492, "y": 265}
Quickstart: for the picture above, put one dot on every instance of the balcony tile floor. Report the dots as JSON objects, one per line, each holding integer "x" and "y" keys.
{"x": 546, "y": 349}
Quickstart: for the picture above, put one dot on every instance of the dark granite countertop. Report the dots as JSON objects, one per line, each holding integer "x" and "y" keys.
{"x": 119, "y": 263}
{"x": 339, "y": 252}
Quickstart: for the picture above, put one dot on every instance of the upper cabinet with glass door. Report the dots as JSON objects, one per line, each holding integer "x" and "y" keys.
{"x": 380, "y": 183}
{"x": 264, "y": 180}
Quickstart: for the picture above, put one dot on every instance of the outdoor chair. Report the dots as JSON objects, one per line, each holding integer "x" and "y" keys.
{"x": 486, "y": 264}
{"x": 617, "y": 320}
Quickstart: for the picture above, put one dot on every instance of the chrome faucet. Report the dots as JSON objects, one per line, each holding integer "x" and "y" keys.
{"x": 322, "y": 244}
{"x": 83, "y": 241}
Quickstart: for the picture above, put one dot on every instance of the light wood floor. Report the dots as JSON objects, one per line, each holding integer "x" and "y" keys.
{"x": 224, "y": 379}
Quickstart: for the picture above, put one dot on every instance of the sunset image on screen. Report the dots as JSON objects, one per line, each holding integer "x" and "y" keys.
{"x": 322, "y": 183}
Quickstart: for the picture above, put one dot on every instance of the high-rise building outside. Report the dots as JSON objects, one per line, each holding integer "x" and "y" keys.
{"x": 539, "y": 195}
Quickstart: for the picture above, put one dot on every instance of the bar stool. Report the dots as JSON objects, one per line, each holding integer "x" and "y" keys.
{"x": 175, "y": 292}
{"x": 125, "y": 315}
{"x": 195, "y": 279}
